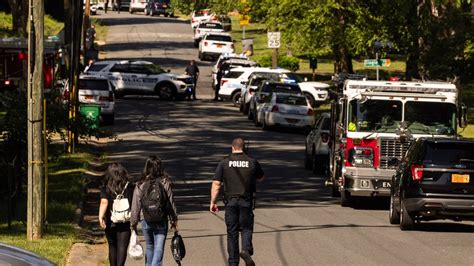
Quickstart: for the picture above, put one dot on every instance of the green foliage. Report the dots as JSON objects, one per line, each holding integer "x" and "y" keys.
{"x": 286, "y": 62}
{"x": 51, "y": 26}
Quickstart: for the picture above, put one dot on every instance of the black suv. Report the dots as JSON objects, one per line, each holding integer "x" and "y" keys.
{"x": 434, "y": 182}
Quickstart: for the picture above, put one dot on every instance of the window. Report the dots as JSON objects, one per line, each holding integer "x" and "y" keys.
{"x": 326, "y": 124}
{"x": 210, "y": 26}
{"x": 447, "y": 152}
{"x": 291, "y": 100}
{"x": 233, "y": 74}
{"x": 96, "y": 67}
{"x": 280, "y": 88}
{"x": 431, "y": 117}
{"x": 119, "y": 68}
{"x": 93, "y": 84}
{"x": 221, "y": 38}
{"x": 374, "y": 115}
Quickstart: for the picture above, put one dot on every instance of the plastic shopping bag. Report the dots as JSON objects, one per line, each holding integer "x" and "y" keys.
{"x": 135, "y": 250}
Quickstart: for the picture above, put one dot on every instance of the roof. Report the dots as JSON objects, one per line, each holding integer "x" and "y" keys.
{"x": 266, "y": 69}
{"x": 239, "y": 61}
{"x": 359, "y": 84}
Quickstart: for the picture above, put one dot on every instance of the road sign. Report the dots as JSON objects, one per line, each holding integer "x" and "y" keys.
{"x": 375, "y": 62}
{"x": 244, "y": 20}
{"x": 274, "y": 39}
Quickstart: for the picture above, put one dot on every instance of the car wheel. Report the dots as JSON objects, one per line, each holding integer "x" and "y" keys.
{"x": 406, "y": 220}
{"x": 255, "y": 120}
{"x": 166, "y": 91}
{"x": 236, "y": 98}
{"x": 307, "y": 159}
{"x": 310, "y": 98}
{"x": 346, "y": 199}
{"x": 393, "y": 215}
{"x": 171, "y": 15}
{"x": 245, "y": 109}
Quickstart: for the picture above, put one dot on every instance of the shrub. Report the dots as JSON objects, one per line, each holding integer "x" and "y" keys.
{"x": 286, "y": 62}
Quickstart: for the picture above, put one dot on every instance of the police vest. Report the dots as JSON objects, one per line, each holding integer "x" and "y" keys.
{"x": 239, "y": 175}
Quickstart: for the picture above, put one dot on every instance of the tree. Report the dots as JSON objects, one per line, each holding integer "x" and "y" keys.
{"x": 19, "y": 9}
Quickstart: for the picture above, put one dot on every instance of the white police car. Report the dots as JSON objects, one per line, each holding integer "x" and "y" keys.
{"x": 142, "y": 77}
{"x": 214, "y": 44}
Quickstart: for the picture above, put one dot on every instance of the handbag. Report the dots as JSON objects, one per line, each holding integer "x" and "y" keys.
{"x": 135, "y": 250}
{"x": 177, "y": 248}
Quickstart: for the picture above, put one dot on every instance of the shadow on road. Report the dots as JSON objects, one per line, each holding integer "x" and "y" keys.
{"x": 138, "y": 19}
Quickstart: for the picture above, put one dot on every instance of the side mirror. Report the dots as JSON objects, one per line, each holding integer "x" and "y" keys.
{"x": 463, "y": 116}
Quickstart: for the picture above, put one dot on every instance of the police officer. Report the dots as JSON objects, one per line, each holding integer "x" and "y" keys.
{"x": 193, "y": 71}
{"x": 239, "y": 173}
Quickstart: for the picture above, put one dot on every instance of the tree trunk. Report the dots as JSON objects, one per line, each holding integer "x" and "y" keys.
{"x": 19, "y": 9}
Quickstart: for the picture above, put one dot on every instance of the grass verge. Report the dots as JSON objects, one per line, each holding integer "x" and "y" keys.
{"x": 65, "y": 191}
{"x": 100, "y": 29}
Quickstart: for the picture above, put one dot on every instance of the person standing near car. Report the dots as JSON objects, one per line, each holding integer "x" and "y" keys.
{"x": 238, "y": 172}
{"x": 118, "y": 234}
{"x": 193, "y": 71}
{"x": 153, "y": 205}
{"x": 106, "y": 5}
{"x": 219, "y": 75}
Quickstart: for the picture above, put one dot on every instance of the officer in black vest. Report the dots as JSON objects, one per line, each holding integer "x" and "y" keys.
{"x": 239, "y": 173}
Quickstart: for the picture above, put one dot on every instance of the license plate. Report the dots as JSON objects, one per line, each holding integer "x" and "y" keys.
{"x": 89, "y": 97}
{"x": 219, "y": 45}
{"x": 292, "y": 121}
{"x": 460, "y": 179}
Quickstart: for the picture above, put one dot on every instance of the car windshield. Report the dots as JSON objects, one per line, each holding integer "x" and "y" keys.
{"x": 210, "y": 26}
{"x": 93, "y": 84}
{"x": 431, "y": 118}
{"x": 201, "y": 13}
{"x": 446, "y": 153}
{"x": 291, "y": 100}
{"x": 374, "y": 115}
{"x": 221, "y": 38}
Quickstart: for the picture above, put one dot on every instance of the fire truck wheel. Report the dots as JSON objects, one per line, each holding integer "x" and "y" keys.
{"x": 346, "y": 199}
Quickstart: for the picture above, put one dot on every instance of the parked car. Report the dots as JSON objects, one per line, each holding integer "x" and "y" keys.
{"x": 222, "y": 58}
{"x": 137, "y": 6}
{"x": 433, "y": 182}
{"x": 225, "y": 20}
{"x": 124, "y": 5}
{"x": 233, "y": 82}
{"x": 200, "y": 15}
{"x": 316, "y": 156}
{"x": 93, "y": 90}
{"x": 284, "y": 109}
{"x": 206, "y": 27}
{"x": 10, "y": 255}
{"x": 316, "y": 92}
{"x": 214, "y": 44}
{"x": 227, "y": 65}
{"x": 159, "y": 7}
{"x": 264, "y": 91}
{"x": 142, "y": 77}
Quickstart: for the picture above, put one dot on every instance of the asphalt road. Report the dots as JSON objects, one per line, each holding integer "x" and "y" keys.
{"x": 296, "y": 220}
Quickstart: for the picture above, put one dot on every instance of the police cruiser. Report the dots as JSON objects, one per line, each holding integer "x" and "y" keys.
{"x": 142, "y": 78}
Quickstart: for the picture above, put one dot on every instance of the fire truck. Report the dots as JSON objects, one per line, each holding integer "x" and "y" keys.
{"x": 373, "y": 124}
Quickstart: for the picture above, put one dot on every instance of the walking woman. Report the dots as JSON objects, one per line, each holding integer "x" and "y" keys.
{"x": 118, "y": 234}
{"x": 153, "y": 205}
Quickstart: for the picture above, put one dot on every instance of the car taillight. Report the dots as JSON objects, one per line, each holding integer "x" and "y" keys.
{"x": 275, "y": 109}
{"x": 7, "y": 82}
{"x": 205, "y": 43}
{"x": 310, "y": 112}
{"x": 417, "y": 172}
{"x": 223, "y": 81}
{"x": 324, "y": 137}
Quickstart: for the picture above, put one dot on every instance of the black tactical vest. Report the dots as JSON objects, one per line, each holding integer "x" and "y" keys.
{"x": 239, "y": 175}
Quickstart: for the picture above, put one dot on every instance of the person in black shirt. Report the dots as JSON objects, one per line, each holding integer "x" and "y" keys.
{"x": 239, "y": 173}
{"x": 193, "y": 71}
{"x": 118, "y": 234}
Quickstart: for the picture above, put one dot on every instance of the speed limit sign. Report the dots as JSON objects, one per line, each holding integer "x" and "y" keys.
{"x": 274, "y": 39}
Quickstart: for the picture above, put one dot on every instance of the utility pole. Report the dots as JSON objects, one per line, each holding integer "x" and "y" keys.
{"x": 36, "y": 195}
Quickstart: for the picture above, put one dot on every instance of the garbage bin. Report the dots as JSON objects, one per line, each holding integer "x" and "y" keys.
{"x": 91, "y": 113}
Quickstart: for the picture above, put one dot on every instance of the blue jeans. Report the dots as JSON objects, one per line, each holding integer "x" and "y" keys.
{"x": 239, "y": 219}
{"x": 155, "y": 236}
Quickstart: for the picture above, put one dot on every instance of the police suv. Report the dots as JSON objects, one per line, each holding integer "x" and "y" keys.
{"x": 142, "y": 77}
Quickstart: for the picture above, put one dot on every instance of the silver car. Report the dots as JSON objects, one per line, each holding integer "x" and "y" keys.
{"x": 316, "y": 146}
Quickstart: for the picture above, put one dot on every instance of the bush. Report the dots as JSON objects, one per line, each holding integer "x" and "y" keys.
{"x": 286, "y": 62}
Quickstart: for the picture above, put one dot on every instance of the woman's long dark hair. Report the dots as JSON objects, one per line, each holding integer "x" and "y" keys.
{"x": 116, "y": 177}
{"x": 153, "y": 169}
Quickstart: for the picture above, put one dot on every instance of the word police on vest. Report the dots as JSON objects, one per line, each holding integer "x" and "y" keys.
{"x": 240, "y": 164}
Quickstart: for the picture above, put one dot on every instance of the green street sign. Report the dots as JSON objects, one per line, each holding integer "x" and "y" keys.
{"x": 375, "y": 62}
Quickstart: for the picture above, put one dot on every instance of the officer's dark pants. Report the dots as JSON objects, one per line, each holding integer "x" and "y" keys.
{"x": 238, "y": 218}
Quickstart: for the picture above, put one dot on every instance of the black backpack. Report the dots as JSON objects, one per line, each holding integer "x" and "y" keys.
{"x": 154, "y": 201}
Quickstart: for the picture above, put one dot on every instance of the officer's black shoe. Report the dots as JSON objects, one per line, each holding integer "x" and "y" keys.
{"x": 247, "y": 258}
